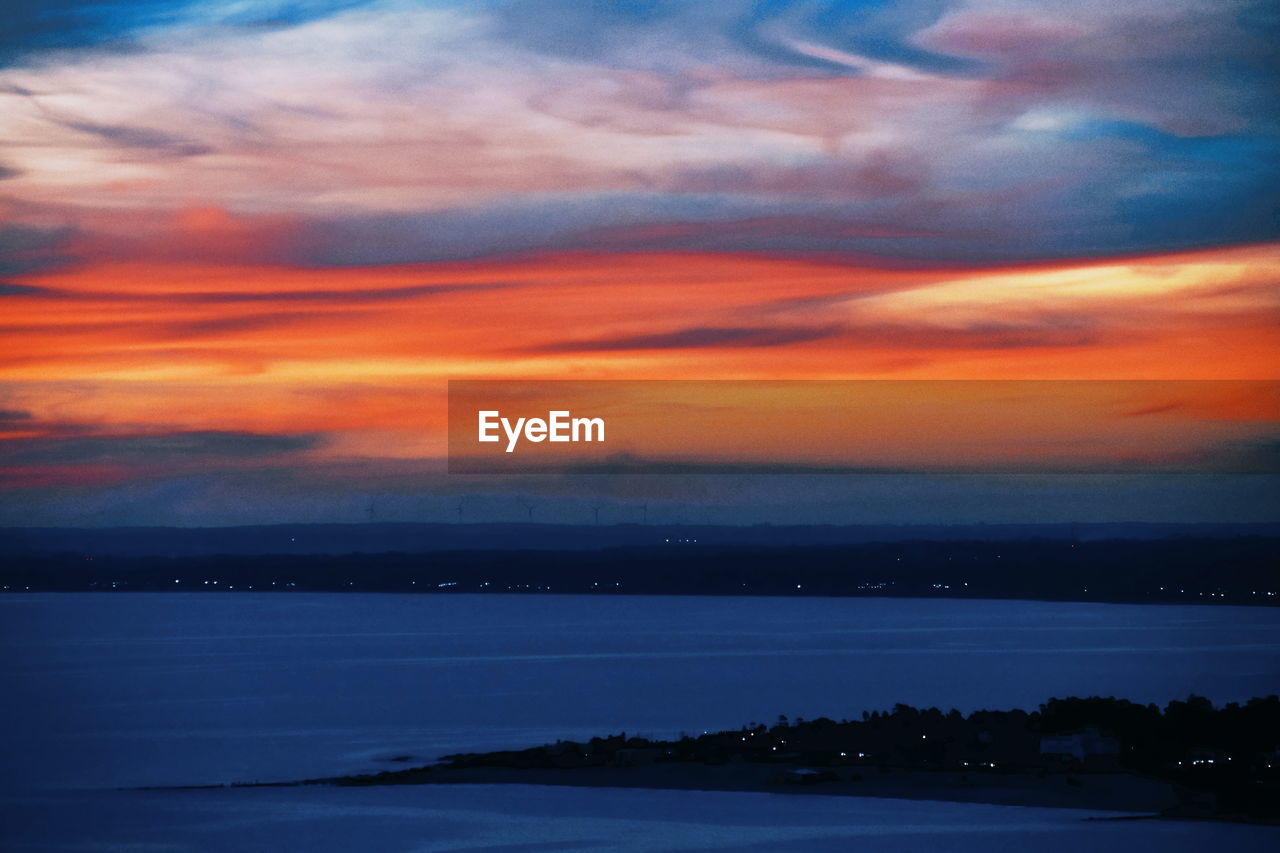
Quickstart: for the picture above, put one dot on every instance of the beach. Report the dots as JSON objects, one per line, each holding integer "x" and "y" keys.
{"x": 1108, "y": 791}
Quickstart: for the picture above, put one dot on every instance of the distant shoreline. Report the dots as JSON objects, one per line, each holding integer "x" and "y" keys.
{"x": 579, "y": 594}
{"x": 1187, "y": 570}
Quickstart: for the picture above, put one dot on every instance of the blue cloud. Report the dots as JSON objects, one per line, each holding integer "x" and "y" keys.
{"x": 183, "y": 446}
{"x": 29, "y": 248}
{"x": 743, "y": 34}
{"x": 31, "y": 27}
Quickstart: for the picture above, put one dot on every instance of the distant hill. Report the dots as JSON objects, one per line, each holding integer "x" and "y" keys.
{"x": 425, "y": 538}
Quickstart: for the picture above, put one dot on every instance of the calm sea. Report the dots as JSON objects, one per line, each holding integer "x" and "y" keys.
{"x": 117, "y": 690}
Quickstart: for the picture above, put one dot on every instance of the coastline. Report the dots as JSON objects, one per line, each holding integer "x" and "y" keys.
{"x": 1124, "y": 792}
{"x": 1123, "y": 796}
{"x": 1177, "y": 763}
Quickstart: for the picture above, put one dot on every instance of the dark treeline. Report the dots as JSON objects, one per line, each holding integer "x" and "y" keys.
{"x": 1207, "y": 570}
{"x": 1224, "y": 761}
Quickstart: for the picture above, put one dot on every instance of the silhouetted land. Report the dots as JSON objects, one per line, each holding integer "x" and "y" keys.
{"x": 1180, "y": 569}
{"x": 1187, "y": 760}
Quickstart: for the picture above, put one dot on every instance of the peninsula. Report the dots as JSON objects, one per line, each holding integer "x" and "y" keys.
{"x": 1189, "y": 760}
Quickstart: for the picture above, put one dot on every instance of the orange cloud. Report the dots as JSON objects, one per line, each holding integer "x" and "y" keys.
{"x": 362, "y": 354}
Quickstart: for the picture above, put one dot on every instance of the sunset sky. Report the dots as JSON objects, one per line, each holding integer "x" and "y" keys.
{"x": 244, "y": 245}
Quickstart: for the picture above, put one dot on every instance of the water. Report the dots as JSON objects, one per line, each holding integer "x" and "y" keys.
{"x": 538, "y": 819}
{"x": 109, "y": 691}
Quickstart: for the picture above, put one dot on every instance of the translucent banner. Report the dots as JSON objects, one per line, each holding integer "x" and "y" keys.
{"x": 888, "y": 426}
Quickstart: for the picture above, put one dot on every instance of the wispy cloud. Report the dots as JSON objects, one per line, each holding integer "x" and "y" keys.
{"x": 8, "y": 289}
{"x": 196, "y": 447}
{"x": 240, "y": 232}
{"x": 706, "y": 336}
{"x": 156, "y": 141}
{"x": 1040, "y": 128}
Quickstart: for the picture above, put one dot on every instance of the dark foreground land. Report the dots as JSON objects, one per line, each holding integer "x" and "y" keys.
{"x": 1190, "y": 760}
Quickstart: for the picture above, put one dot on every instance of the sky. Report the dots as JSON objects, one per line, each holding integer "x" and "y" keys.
{"x": 245, "y": 245}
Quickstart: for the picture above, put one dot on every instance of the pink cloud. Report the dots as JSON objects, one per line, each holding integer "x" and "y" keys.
{"x": 999, "y": 36}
